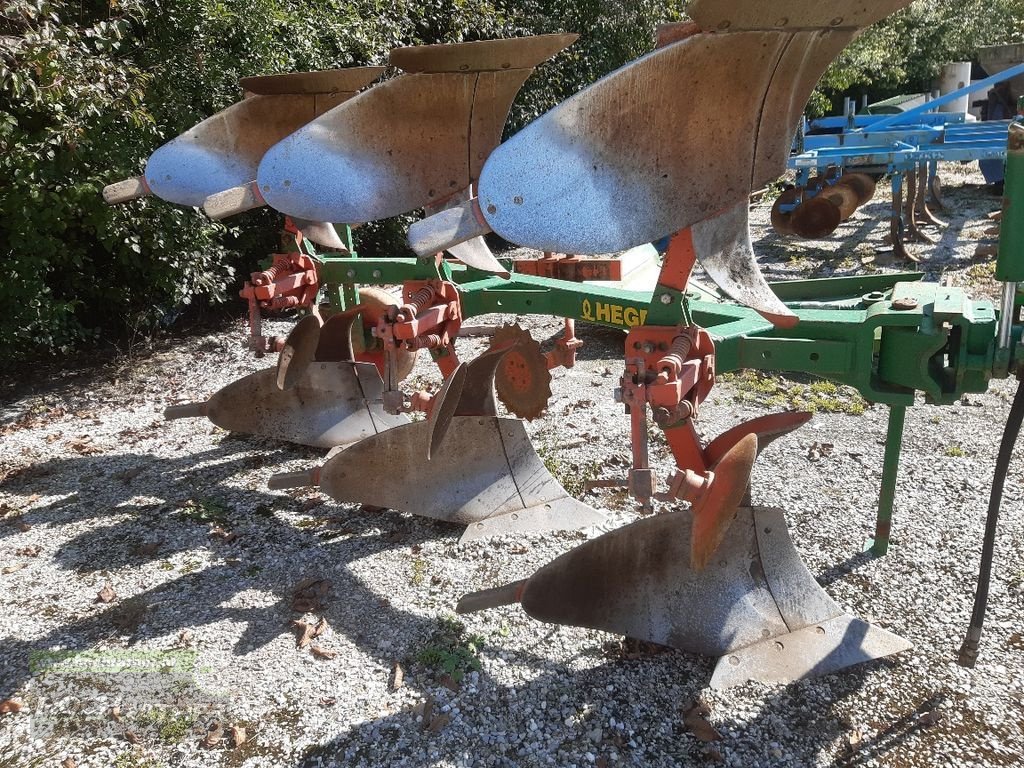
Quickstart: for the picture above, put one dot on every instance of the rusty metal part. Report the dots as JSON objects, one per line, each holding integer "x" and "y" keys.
{"x": 843, "y": 197}
{"x": 331, "y": 404}
{"x": 781, "y": 219}
{"x": 401, "y": 145}
{"x": 767, "y": 428}
{"x": 335, "y": 342}
{"x": 714, "y": 506}
{"x": 522, "y": 378}
{"x": 481, "y": 55}
{"x": 756, "y": 593}
{"x": 374, "y": 302}
{"x": 485, "y": 475}
{"x": 815, "y": 218}
{"x": 861, "y": 183}
{"x": 921, "y": 206}
{"x": 915, "y": 193}
{"x": 722, "y": 244}
{"x": 935, "y": 191}
{"x": 298, "y": 352}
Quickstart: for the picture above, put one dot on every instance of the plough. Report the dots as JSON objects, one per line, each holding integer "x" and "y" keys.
{"x": 844, "y": 154}
{"x": 621, "y": 164}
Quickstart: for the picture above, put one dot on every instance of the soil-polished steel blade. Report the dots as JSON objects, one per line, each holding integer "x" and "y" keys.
{"x": 444, "y": 405}
{"x": 475, "y": 253}
{"x": 723, "y": 246}
{"x": 636, "y": 581}
{"x": 402, "y": 144}
{"x": 298, "y": 352}
{"x": 767, "y": 428}
{"x": 627, "y": 160}
{"x": 714, "y": 513}
{"x": 322, "y": 233}
{"x": 332, "y": 404}
{"x": 485, "y": 475}
{"x": 224, "y": 150}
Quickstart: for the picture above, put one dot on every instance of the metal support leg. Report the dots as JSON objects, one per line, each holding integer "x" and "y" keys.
{"x": 879, "y": 545}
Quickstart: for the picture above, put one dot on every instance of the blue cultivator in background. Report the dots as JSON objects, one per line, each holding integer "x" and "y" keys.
{"x": 837, "y": 160}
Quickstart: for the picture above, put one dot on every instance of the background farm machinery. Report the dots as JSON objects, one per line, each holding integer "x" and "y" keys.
{"x": 720, "y": 576}
{"x": 837, "y": 160}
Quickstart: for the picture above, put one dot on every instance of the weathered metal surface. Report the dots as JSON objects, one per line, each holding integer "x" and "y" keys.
{"x": 322, "y": 233}
{"x": 485, "y": 475}
{"x": 442, "y": 409}
{"x": 804, "y": 58}
{"x": 723, "y": 246}
{"x": 123, "y": 191}
{"x": 481, "y": 55}
{"x": 449, "y": 229}
{"x": 626, "y": 161}
{"x": 815, "y": 218}
{"x": 228, "y": 202}
{"x": 636, "y": 581}
{"x": 407, "y": 143}
{"x": 325, "y": 81}
{"x": 768, "y": 428}
{"x": 332, "y": 404}
{"x": 224, "y": 150}
{"x": 298, "y": 352}
{"x": 522, "y": 379}
{"x": 861, "y": 183}
{"x": 732, "y": 15}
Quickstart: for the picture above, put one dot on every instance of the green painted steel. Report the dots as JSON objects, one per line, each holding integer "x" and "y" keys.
{"x": 852, "y": 330}
{"x": 1010, "y": 262}
{"x": 879, "y": 545}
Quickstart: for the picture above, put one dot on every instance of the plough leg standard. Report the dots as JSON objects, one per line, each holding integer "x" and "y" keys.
{"x": 620, "y": 164}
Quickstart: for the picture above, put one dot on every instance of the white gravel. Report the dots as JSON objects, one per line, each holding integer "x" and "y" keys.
{"x": 96, "y": 489}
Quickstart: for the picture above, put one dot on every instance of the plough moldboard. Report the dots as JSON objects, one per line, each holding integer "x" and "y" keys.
{"x": 621, "y": 164}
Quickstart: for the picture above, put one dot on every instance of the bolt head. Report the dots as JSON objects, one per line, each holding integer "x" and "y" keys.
{"x": 666, "y": 298}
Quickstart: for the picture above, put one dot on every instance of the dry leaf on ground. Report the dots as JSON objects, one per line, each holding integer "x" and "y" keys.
{"x": 13, "y": 568}
{"x": 695, "y": 722}
{"x": 303, "y": 633}
{"x": 323, "y": 653}
{"x": 397, "y": 677}
{"x": 238, "y": 735}
{"x": 106, "y": 595}
{"x": 309, "y": 595}
{"x": 214, "y": 734}
{"x": 10, "y": 705}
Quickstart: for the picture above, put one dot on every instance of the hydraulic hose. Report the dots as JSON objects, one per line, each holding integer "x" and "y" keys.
{"x": 969, "y": 649}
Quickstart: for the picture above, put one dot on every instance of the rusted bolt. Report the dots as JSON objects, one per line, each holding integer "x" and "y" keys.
{"x": 287, "y": 182}
{"x": 492, "y": 208}
{"x": 836, "y": 21}
{"x": 506, "y": 65}
{"x": 666, "y": 298}
{"x": 724, "y": 24}
{"x": 648, "y": 347}
{"x": 907, "y": 302}
{"x": 518, "y": 200}
{"x": 463, "y": 67}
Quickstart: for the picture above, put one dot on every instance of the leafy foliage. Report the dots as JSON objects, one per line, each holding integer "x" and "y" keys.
{"x": 905, "y": 51}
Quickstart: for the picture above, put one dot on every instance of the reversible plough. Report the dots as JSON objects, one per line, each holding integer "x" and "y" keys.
{"x": 643, "y": 155}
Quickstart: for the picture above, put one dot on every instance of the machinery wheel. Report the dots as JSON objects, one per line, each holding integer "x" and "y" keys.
{"x": 373, "y": 301}
{"x": 522, "y": 380}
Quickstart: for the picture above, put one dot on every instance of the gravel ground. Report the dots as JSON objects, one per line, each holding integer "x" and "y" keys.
{"x": 202, "y": 564}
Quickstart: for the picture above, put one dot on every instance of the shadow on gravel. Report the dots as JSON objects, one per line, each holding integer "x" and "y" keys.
{"x": 269, "y": 555}
{"x": 617, "y": 712}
